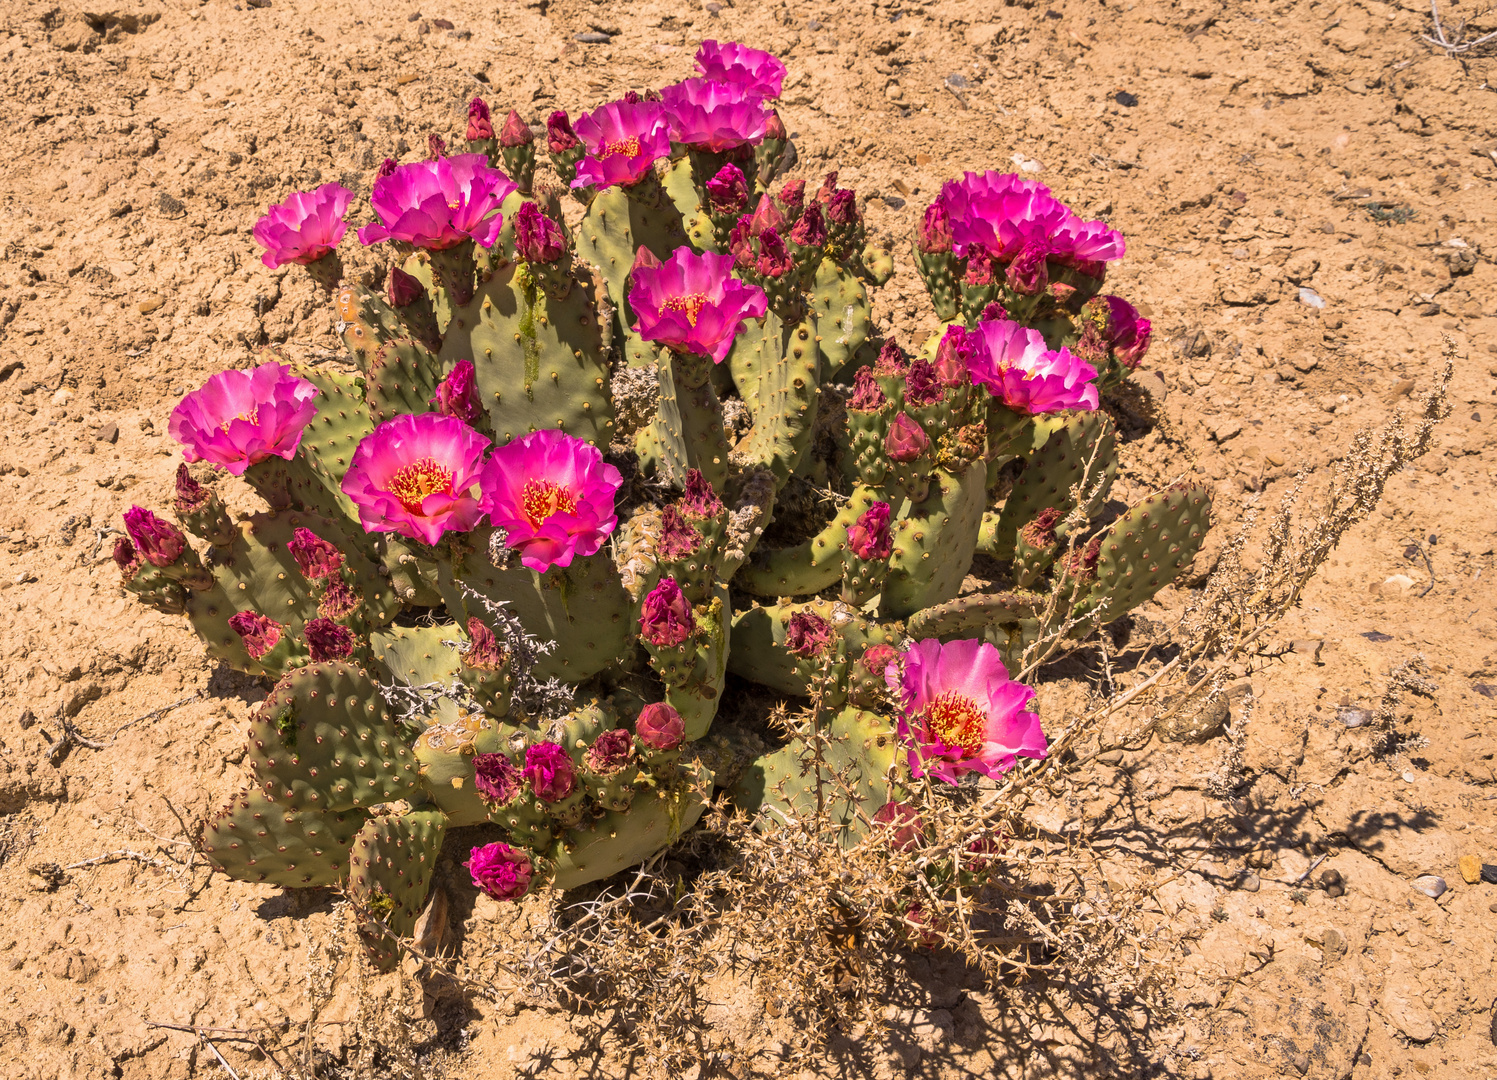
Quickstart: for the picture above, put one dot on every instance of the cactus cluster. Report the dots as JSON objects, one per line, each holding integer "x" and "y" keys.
{"x": 580, "y": 469}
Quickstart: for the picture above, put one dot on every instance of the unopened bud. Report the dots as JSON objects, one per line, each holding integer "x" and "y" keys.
{"x": 538, "y": 239}
{"x": 515, "y": 131}
{"x": 479, "y": 124}
{"x": 457, "y": 394}
{"x": 403, "y": 289}
{"x": 559, "y": 134}
{"x": 660, "y": 727}
{"x": 954, "y": 357}
{"x": 727, "y": 192}
{"x": 906, "y": 440}
{"x": 667, "y": 619}
{"x": 935, "y": 230}
{"x": 1029, "y": 274}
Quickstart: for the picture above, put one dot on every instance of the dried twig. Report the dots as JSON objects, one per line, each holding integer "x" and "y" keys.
{"x": 116, "y": 856}
{"x": 1460, "y": 45}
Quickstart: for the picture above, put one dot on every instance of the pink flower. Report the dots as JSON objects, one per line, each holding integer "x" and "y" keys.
{"x": 480, "y": 125}
{"x": 1078, "y": 243}
{"x": 240, "y": 418}
{"x": 623, "y": 141}
{"x": 457, "y": 394}
{"x": 609, "y": 752}
{"x": 1004, "y": 212}
{"x": 906, "y": 439}
{"x": 961, "y": 712}
{"x": 549, "y": 769}
{"x": 666, "y": 619}
{"x": 1017, "y": 368}
{"x": 869, "y": 536}
{"x": 757, "y": 72}
{"x": 438, "y": 204}
{"x": 807, "y": 634}
{"x": 660, "y": 727}
{"x": 495, "y": 778}
{"x": 691, "y": 303}
{"x": 1113, "y": 323}
{"x": 904, "y": 827}
{"x": 559, "y": 134}
{"x": 159, "y": 542}
{"x": 505, "y": 873}
{"x": 315, "y": 557}
{"x": 326, "y": 640}
{"x": 414, "y": 475}
{"x": 305, "y": 227}
{"x": 553, "y": 495}
{"x": 257, "y": 633}
{"x": 538, "y": 239}
{"x": 714, "y": 116}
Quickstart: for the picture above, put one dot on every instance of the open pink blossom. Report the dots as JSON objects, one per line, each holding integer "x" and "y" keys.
{"x": 717, "y": 116}
{"x": 691, "y": 303}
{"x": 305, "y": 227}
{"x": 1003, "y": 213}
{"x": 1079, "y": 243}
{"x": 240, "y": 418}
{"x": 960, "y": 711}
{"x": 1017, "y": 368}
{"x": 758, "y": 72}
{"x": 415, "y": 474}
{"x": 624, "y": 139}
{"x": 504, "y": 872}
{"x": 438, "y": 204}
{"x": 553, "y": 495}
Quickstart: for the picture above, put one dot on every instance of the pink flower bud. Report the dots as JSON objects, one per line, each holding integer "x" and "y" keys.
{"x": 935, "y": 230}
{"x": 457, "y": 394}
{"x": 842, "y": 208}
{"x": 386, "y": 168}
{"x": 496, "y": 779}
{"x": 727, "y": 192}
{"x": 159, "y": 542}
{"x": 550, "y": 772}
{"x": 479, "y": 124}
{"x": 793, "y": 196}
{"x": 1028, "y": 274}
{"x": 403, "y": 289}
{"x": 515, "y": 131}
{"x": 993, "y": 310}
{"x": 867, "y": 395}
{"x": 258, "y": 633}
{"x": 667, "y": 619}
{"x": 436, "y": 146}
{"x": 870, "y": 536}
{"x": 660, "y": 727}
{"x": 920, "y": 384}
{"x": 484, "y": 651}
{"x": 775, "y": 127}
{"x": 810, "y": 230}
{"x": 326, "y": 640}
{"x": 538, "y": 239}
{"x": 559, "y": 134}
{"x": 1061, "y": 292}
{"x": 644, "y": 259}
{"x": 315, "y": 557}
{"x": 766, "y": 216}
{"x": 505, "y": 873}
{"x": 808, "y": 634}
{"x": 953, "y": 357}
{"x": 677, "y": 538}
{"x": 190, "y": 495}
{"x": 828, "y": 188}
{"x": 905, "y": 828}
{"x": 700, "y": 500}
{"x": 609, "y": 752}
{"x": 906, "y": 440}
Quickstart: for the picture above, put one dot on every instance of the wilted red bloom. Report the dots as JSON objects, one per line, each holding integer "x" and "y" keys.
{"x": 1028, "y": 274}
{"x": 126, "y": 557}
{"x": 920, "y": 384}
{"x": 877, "y": 658}
{"x": 315, "y": 557}
{"x": 793, "y": 195}
{"x": 700, "y": 500}
{"x": 869, "y": 536}
{"x": 609, "y": 752}
{"x": 338, "y": 599}
{"x": 935, "y": 230}
{"x": 538, "y": 239}
{"x": 559, "y": 134}
{"x": 677, "y": 538}
{"x": 190, "y": 495}
{"x": 842, "y": 208}
{"x": 906, "y": 829}
{"x": 774, "y": 259}
{"x": 496, "y": 778}
{"x": 867, "y": 395}
{"x": 436, "y": 146}
{"x": 484, "y": 651}
{"x": 549, "y": 769}
{"x": 386, "y": 168}
{"x": 906, "y": 440}
{"x": 980, "y": 268}
{"x": 1040, "y": 532}
{"x": 810, "y": 230}
{"x": 808, "y": 634}
{"x": 326, "y": 640}
{"x": 667, "y": 619}
{"x": 728, "y": 192}
{"x": 890, "y": 360}
{"x": 1083, "y": 563}
{"x": 828, "y": 188}
{"x": 258, "y": 633}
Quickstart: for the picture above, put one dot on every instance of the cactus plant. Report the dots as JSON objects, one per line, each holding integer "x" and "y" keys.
{"x": 573, "y": 476}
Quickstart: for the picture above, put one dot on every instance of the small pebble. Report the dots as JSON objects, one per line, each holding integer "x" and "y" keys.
{"x": 1125, "y": 99}
{"x": 1353, "y": 717}
{"x": 957, "y": 82}
{"x": 592, "y": 37}
{"x": 1249, "y": 883}
{"x": 1489, "y": 873}
{"x": 1492, "y": 908}
{"x": 1431, "y": 885}
{"x": 1408, "y": 778}
{"x": 1470, "y": 869}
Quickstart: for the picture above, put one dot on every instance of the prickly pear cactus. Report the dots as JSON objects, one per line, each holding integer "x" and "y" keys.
{"x": 575, "y": 473}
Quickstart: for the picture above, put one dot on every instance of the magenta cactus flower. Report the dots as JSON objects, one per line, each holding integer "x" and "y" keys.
{"x": 326, "y": 640}
{"x": 1017, "y": 368}
{"x": 505, "y": 873}
{"x": 538, "y": 239}
{"x": 159, "y": 542}
{"x": 716, "y": 116}
{"x": 414, "y": 475}
{"x": 807, "y": 634}
{"x": 1084, "y": 244}
{"x": 906, "y": 439}
{"x": 624, "y": 140}
{"x": 758, "y": 73}
{"x": 549, "y": 771}
{"x": 258, "y": 634}
{"x": 553, "y": 495}
{"x": 457, "y": 393}
{"x": 438, "y": 204}
{"x": 666, "y": 620}
{"x": 609, "y": 752}
{"x": 660, "y": 727}
{"x": 480, "y": 123}
{"x": 1004, "y": 213}
{"x": 691, "y": 303}
{"x": 1113, "y": 323}
{"x": 496, "y": 779}
{"x": 869, "y": 536}
{"x": 240, "y": 418}
{"x": 315, "y": 557}
{"x": 960, "y": 711}
{"x": 305, "y": 227}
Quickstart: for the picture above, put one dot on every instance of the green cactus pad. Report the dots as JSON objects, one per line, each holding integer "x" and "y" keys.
{"x": 688, "y": 431}
{"x": 329, "y": 440}
{"x": 843, "y": 321}
{"x": 811, "y": 566}
{"x": 390, "y": 869}
{"x": 412, "y": 568}
{"x": 934, "y": 543}
{"x": 323, "y": 740}
{"x": 759, "y": 653}
{"x": 1063, "y": 445}
{"x": 255, "y": 838}
{"x": 777, "y": 370}
{"x": 1148, "y": 547}
{"x": 446, "y": 753}
{"x": 402, "y": 378}
{"x": 366, "y": 322}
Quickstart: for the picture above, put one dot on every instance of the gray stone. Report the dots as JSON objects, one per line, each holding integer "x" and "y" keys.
{"x": 1431, "y": 885}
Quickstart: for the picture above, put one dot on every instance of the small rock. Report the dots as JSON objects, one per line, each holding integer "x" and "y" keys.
{"x": 1249, "y": 883}
{"x": 1112, "y": 759}
{"x": 1125, "y": 99}
{"x": 1492, "y": 908}
{"x": 1332, "y": 883}
{"x": 1332, "y": 945}
{"x": 1431, "y": 885}
{"x": 1354, "y": 718}
{"x": 1227, "y": 429}
{"x": 1309, "y": 647}
{"x": 109, "y": 433}
{"x": 1377, "y": 635}
{"x": 592, "y": 37}
{"x": 1305, "y": 363}
{"x": 150, "y": 304}
{"x": 1274, "y": 459}
{"x": 1470, "y": 869}
{"x": 957, "y": 82}
{"x": 1301, "y": 1062}
{"x": 1489, "y": 874}
{"x": 1309, "y": 296}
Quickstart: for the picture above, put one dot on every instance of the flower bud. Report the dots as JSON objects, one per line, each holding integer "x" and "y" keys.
{"x": 484, "y": 652}
{"x": 810, "y": 230}
{"x": 457, "y": 394}
{"x": 559, "y": 134}
{"x": 700, "y": 500}
{"x": 906, "y": 440}
{"x": 159, "y": 542}
{"x": 774, "y": 259}
{"x": 905, "y": 828}
{"x": 677, "y": 538}
{"x": 774, "y": 128}
{"x": 496, "y": 779}
{"x": 505, "y": 873}
{"x": 609, "y": 752}
{"x": 870, "y": 536}
{"x": 954, "y": 357}
{"x": 515, "y": 131}
{"x": 538, "y": 239}
{"x": 315, "y": 557}
{"x": 741, "y": 243}
{"x": 386, "y": 168}
{"x": 403, "y": 289}
{"x": 890, "y": 360}
{"x": 807, "y": 634}
{"x": 667, "y": 619}
{"x": 867, "y": 395}
{"x": 258, "y": 633}
{"x": 842, "y": 208}
{"x": 479, "y": 124}
{"x": 549, "y": 769}
{"x": 326, "y": 640}
{"x": 644, "y": 259}
{"x": 935, "y": 230}
{"x": 766, "y": 216}
{"x": 727, "y": 192}
{"x": 920, "y": 384}
{"x": 1029, "y": 274}
{"x": 436, "y": 146}
{"x": 660, "y": 727}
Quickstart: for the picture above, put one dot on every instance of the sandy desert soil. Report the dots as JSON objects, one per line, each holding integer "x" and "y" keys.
{"x": 1249, "y": 151}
